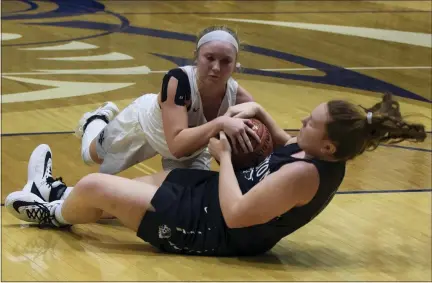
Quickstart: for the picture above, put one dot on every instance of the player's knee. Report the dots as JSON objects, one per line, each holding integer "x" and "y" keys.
{"x": 89, "y": 184}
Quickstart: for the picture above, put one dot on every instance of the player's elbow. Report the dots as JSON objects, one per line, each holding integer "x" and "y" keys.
{"x": 176, "y": 150}
{"x": 244, "y": 220}
{"x": 231, "y": 222}
{"x": 178, "y": 153}
{"x": 234, "y": 222}
{"x": 234, "y": 219}
{"x": 177, "y": 147}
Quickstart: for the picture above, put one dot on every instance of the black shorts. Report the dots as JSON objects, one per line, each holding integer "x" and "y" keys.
{"x": 187, "y": 217}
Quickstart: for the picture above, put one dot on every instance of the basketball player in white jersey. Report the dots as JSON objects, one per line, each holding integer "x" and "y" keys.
{"x": 178, "y": 122}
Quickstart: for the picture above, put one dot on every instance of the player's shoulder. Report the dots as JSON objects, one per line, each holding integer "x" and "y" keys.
{"x": 179, "y": 73}
{"x": 182, "y": 94}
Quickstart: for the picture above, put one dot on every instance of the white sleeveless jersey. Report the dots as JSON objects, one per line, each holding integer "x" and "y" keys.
{"x": 196, "y": 113}
{"x": 150, "y": 115}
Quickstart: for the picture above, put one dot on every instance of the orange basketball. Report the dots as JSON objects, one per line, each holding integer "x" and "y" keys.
{"x": 261, "y": 151}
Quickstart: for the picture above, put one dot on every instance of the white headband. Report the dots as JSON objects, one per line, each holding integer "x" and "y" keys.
{"x": 219, "y": 35}
{"x": 369, "y": 117}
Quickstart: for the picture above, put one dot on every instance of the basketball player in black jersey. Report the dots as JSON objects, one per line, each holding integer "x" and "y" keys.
{"x": 229, "y": 212}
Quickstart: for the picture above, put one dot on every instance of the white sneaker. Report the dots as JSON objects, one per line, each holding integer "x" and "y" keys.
{"x": 31, "y": 208}
{"x": 108, "y": 110}
{"x": 39, "y": 176}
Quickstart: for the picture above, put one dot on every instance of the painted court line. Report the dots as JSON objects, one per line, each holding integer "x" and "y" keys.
{"x": 287, "y": 130}
{"x": 407, "y": 147}
{"x": 384, "y": 191}
{"x": 71, "y": 132}
{"x": 278, "y": 12}
{"x": 36, "y": 134}
{"x": 347, "y": 68}
{"x": 255, "y": 0}
{"x": 376, "y": 192}
{"x": 389, "y": 35}
{"x": 355, "y": 68}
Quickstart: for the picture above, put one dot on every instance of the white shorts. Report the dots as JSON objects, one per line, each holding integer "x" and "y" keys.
{"x": 123, "y": 143}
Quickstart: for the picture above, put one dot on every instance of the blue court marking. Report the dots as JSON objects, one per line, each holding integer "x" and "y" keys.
{"x": 33, "y": 6}
{"x": 334, "y": 75}
{"x": 275, "y": 13}
{"x": 66, "y": 10}
{"x": 290, "y": 130}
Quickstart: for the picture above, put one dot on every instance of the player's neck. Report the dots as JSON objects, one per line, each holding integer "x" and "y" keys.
{"x": 212, "y": 92}
{"x": 315, "y": 155}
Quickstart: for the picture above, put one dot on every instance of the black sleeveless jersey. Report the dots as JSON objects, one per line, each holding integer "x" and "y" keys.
{"x": 260, "y": 238}
{"x": 188, "y": 217}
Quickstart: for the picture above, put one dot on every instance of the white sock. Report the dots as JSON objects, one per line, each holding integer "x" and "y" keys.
{"x": 92, "y": 130}
{"x": 66, "y": 193}
{"x": 58, "y": 215}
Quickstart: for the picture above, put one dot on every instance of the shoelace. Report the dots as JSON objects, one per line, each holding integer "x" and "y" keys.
{"x": 41, "y": 213}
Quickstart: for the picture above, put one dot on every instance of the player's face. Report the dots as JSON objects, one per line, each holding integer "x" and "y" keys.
{"x": 216, "y": 62}
{"x": 312, "y": 137}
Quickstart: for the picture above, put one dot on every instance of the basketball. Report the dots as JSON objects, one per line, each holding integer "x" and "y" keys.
{"x": 263, "y": 149}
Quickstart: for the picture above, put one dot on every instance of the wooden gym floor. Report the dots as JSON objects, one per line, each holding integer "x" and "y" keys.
{"x": 62, "y": 59}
